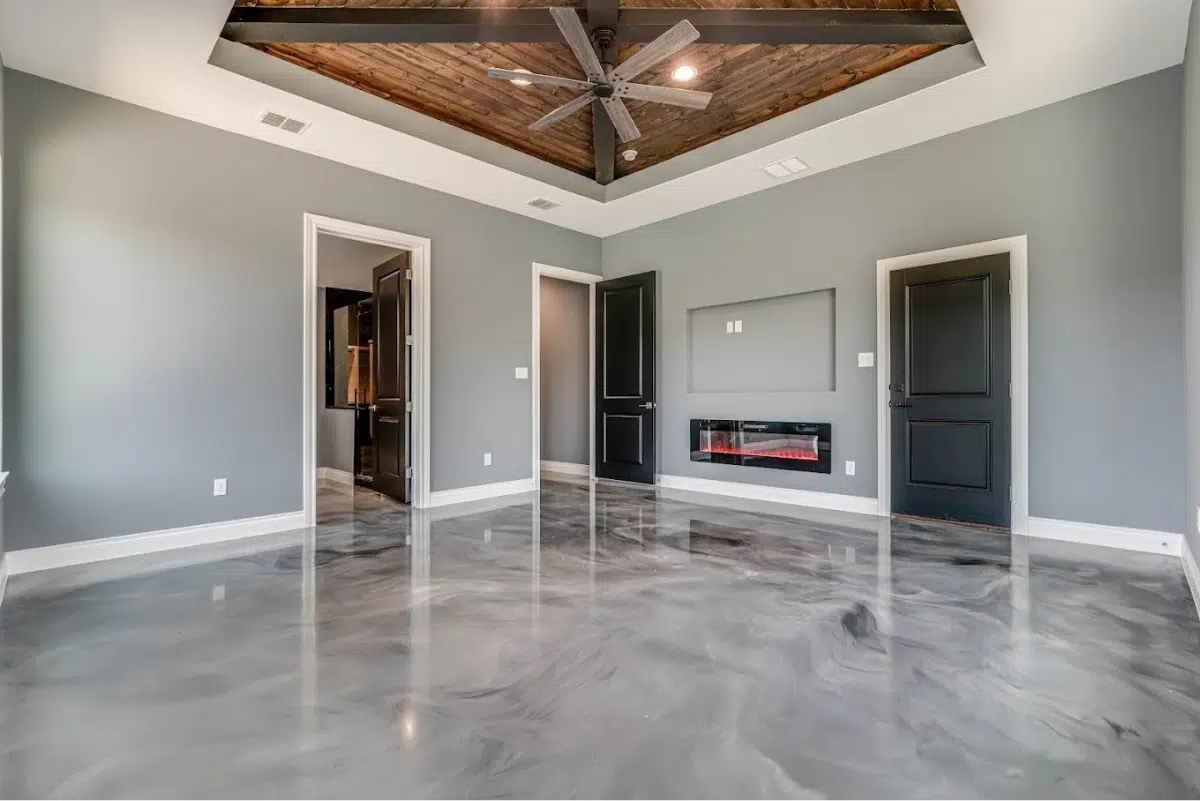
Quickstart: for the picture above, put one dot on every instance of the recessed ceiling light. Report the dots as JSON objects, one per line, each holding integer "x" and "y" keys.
{"x": 629, "y": 155}
{"x": 520, "y": 81}
{"x": 683, "y": 73}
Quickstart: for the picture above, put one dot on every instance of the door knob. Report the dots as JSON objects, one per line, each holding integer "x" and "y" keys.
{"x": 373, "y": 407}
{"x": 895, "y": 405}
{"x": 646, "y": 405}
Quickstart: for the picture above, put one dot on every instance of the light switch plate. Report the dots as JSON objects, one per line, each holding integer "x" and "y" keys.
{"x": 850, "y": 468}
{"x": 487, "y": 460}
{"x": 220, "y": 486}
{"x": 737, "y": 326}
{"x": 523, "y": 372}
{"x": 866, "y": 360}
{"x": 729, "y": 327}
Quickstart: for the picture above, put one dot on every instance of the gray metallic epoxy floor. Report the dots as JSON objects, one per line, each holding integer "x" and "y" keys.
{"x": 603, "y": 642}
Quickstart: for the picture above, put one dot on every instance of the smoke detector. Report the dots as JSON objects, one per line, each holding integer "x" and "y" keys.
{"x": 629, "y": 155}
{"x": 276, "y": 120}
{"x": 545, "y": 204}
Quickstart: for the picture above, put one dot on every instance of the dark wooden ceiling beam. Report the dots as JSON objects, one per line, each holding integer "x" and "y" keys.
{"x": 603, "y": 14}
{"x": 259, "y": 25}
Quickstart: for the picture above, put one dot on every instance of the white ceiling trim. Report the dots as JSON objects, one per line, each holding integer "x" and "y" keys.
{"x": 155, "y": 54}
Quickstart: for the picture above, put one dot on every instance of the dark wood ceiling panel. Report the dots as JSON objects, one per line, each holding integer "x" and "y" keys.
{"x": 750, "y": 83}
{"x": 450, "y": 82}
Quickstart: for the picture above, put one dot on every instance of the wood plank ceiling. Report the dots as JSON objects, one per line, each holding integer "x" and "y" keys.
{"x": 750, "y": 83}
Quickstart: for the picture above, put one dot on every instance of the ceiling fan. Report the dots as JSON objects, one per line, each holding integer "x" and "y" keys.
{"x": 611, "y": 87}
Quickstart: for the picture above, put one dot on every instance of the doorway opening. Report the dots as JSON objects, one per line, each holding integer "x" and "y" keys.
{"x": 366, "y": 361}
{"x": 563, "y": 371}
{"x": 953, "y": 384}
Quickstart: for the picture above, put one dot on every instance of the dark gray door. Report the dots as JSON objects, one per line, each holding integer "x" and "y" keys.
{"x": 950, "y": 391}
{"x": 390, "y": 413}
{"x": 625, "y": 400}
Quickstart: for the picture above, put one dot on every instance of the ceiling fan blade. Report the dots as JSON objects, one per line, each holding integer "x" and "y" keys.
{"x": 622, "y": 122}
{"x": 579, "y": 42}
{"x": 562, "y": 112}
{"x": 665, "y": 46}
{"x": 666, "y": 94}
{"x": 533, "y": 77}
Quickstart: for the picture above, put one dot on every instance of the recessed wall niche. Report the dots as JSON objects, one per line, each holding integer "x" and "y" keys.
{"x": 777, "y": 344}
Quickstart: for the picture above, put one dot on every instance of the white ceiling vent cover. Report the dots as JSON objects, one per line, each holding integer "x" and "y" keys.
{"x": 542, "y": 203}
{"x": 283, "y": 123}
{"x": 785, "y": 168}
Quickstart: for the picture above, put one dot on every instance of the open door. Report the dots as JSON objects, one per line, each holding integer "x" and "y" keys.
{"x": 625, "y": 370}
{"x": 391, "y": 414}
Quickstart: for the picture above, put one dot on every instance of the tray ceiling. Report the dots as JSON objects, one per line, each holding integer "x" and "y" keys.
{"x": 751, "y": 83}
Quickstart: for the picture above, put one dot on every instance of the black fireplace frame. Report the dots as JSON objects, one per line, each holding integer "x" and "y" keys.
{"x": 823, "y": 431}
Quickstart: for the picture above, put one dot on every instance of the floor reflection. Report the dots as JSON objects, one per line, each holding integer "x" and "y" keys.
{"x": 595, "y": 640}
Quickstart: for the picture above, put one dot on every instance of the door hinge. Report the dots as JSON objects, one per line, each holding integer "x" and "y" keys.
{"x": 408, "y": 340}
{"x": 408, "y": 274}
{"x": 1010, "y": 389}
{"x": 1010, "y": 286}
{"x": 1010, "y": 494}
{"x": 408, "y": 406}
{"x": 408, "y": 473}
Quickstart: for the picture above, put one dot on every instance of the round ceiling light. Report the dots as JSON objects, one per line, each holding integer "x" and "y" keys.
{"x": 683, "y": 73}
{"x": 520, "y": 81}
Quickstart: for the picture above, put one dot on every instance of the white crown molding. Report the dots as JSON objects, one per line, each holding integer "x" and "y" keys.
{"x": 565, "y": 468}
{"x": 29, "y": 560}
{"x": 759, "y": 492}
{"x": 1128, "y": 539}
{"x": 1191, "y": 570}
{"x": 481, "y": 492}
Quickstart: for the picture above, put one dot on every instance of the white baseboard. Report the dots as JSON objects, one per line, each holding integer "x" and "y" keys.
{"x": 1192, "y": 571}
{"x": 3, "y": 576}
{"x": 481, "y": 492}
{"x": 758, "y": 492}
{"x": 29, "y": 560}
{"x": 1129, "y": 539}
{"x": 333, "y": 474}
{"x": 565, "y": 468}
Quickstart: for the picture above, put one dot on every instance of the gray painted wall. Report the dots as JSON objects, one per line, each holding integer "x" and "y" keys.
{"x": 3, "y": 219}
{"x": 153, "y": 320}
{"x": 335, "y": 439}
{"x": 1191, "y": 274}
{"x": 335, "y": 427}
{"x": 1094, "y": 182}
{"x": 564, "y": 370}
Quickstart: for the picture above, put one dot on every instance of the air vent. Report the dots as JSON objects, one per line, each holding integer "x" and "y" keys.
{"x": 283, "y": 123}
{"x": 542, "y": 203}
{"x": 785, "y": 168}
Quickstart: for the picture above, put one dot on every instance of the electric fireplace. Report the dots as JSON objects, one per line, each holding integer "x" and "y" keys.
{"x": 753, "y": 443}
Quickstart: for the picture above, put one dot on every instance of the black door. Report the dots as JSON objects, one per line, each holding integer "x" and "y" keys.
{"x": 950, "y": 391}
{"x": 390, "y": 413}
{"x": 625, "y": 378}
